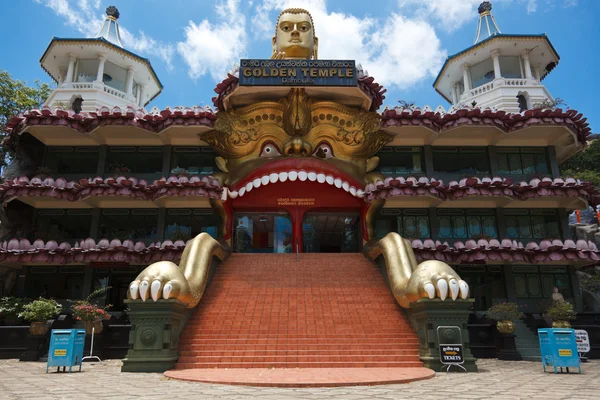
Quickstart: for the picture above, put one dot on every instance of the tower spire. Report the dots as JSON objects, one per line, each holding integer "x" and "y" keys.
{"x": 487, "y": 25}
{"x": 110, "y": 27}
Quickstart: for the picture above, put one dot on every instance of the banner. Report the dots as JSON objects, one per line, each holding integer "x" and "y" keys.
{"x": 297, "y": 72}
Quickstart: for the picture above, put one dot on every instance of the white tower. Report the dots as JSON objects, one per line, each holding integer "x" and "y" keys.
{"x": 96, "y": 72}
{"x": 499, "y": 70}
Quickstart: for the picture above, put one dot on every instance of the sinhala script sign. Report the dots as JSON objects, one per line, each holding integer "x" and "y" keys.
{"x": 297, "y": 73}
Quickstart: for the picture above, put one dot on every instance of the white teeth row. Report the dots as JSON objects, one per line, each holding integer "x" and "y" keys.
{"x": 292, "y": 176}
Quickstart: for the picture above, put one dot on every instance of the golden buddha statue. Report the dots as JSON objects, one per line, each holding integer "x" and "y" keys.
{"x": 295, "y": 36}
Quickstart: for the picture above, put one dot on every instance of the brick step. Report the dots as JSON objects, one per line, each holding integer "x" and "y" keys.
{"x": 299, "y": 358}
{"x": 330, "y": 364}
{"x": 294, "y": 351}
{"x": 315, "y": 340}
{"x": 333, "y": 332}
{"x": 402, "y": 346}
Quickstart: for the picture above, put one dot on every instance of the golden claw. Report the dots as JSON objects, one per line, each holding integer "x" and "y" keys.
{"x": 410, "y": 281}
{"x": 186, "y": 282}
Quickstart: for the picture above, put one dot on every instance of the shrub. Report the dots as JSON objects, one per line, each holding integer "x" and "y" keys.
{"x": 561, "y": 311}
{"x": 504, "y": 312}
{"x": 11, "y": 307}
{"x": 40, "y": 310}
{"x": 85, "y": 310}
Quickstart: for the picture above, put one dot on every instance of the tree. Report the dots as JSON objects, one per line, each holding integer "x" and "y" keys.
{"x": 16, "y": 97}
{"x": 585, "y": 165}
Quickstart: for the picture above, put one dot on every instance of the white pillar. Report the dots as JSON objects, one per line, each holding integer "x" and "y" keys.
{"x": 71, "y": 68}
{"x": 101, "y": 61}
{"x": 141, "y": 93}
{"x": 536, "y": 72}
{"x": 466, "y": 76}
{"x": 496, "y": 58}
{"x": 129, "y": 84}
{"x": 454, "y": 93}
{"x": 526, "y": 65}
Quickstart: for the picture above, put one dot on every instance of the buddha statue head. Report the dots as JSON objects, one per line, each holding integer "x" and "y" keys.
{"x": 295, "y": 35}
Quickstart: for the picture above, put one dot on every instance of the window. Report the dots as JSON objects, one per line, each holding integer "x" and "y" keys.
{"x": 114, "y": 76}
{"x": 54, "y": 282}
{"x": 63, "y": 225}
{"x": 511, "y": 67}
{"x": 72, "y": 160}
{"x": 139, "y": 160}
{"x": 409, "y": 223}
{"x": 194, "y": 160}
{"x": 135, "y": 224}
{"x": 86, "y": 71}
{"x": 397, "y": 161}
{"x": 118, "y": 279}
{"x": 482, "y": 73}
{"x": 461, "y": 161}
{"x": 185, "y": 224}
{"x": 531, "y": 225}
{"x": 528, "y": 161}
{"x": 539, "y": 281}
{"x": 466, "y": 224}
{"x": 522, "y": 101}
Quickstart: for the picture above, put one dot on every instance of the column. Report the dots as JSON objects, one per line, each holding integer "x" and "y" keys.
{"x": 428, "y": 153}
{"x": 493, "y": 160}
{"x": 496, "y": 58}
{"x": 434, "y": 227}
{"x": 71, "y": 68}
{"x": 162, "y": 219}
{"x": 101, "y": 61}
{"x": 129, "y": 82}
{"x": 141, "y": 95}
{"x": 466, "y": 76}
{"x": 526, "y": 64}
{"x": 454, "y": 93}
{"x": 536, "y": 72}
{"x": 554, "y": 166}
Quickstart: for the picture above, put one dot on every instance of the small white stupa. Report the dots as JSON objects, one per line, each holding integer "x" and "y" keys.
{"x": 96, "y": 72}
{"x": 504, "y": 71}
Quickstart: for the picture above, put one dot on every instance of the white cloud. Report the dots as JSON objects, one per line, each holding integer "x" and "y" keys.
{"x": 86, "y": 17}
{"x": 396, "y": 50}
{"x": 449, "y": 14}
{"x": 212, "y": 48}
{"x": 531, "y": 6}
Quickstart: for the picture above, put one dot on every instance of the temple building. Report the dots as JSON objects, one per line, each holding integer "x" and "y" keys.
{"x": 105, "y": 192}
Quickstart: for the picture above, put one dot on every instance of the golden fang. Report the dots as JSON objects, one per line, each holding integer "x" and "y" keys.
{"x": 306, "y": 72}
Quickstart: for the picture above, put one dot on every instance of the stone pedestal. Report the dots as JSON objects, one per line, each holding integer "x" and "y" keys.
{"x": 506, "y": 349}
{"x": 37, "y": 346}
{"x": 426, "y": 315}
{"x": 154, "y": 335}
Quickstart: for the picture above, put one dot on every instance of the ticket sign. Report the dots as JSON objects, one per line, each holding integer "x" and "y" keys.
{"x": 297, "y": 73}
{"x": 451, "y": 354}
{"x": 583, "y": 341}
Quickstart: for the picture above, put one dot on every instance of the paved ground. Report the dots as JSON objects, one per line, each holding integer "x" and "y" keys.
{"x": 497, "y": 379}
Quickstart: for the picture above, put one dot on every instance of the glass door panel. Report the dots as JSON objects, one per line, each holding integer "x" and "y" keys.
{"x": 331, "y": 233}
{"x": 262, "y": 233}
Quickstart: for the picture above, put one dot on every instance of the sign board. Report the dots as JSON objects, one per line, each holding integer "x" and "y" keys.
{"x": 254, "y": 72}
{"x": 558, "y": 348}
{"x": 583, "y": 341}
{"x": 66, "y": 348}
{"x": 451, "y": 354}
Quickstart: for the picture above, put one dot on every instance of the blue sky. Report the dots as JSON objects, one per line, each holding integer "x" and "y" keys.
{"x": 402, "y": 43}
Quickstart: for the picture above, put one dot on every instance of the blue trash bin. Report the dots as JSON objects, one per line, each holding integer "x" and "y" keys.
{"x": 66, "y": 349}
{"x": 559, "y": 349}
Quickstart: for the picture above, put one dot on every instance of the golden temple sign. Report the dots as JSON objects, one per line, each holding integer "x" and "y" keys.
{"x": 297, "y": 73}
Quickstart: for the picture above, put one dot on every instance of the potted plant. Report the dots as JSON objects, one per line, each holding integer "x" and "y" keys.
{"x": 560, "y": 312}
{"x": 11, "y": 307}
{"x": 91, "y": 314}
{"x": 504, "y": 314}
{"x": 38, "y": 312}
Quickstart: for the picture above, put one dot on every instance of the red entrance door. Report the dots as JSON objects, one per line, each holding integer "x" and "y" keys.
{"x": 296, "y": 199}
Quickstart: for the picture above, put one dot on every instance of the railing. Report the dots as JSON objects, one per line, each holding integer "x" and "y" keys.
{"x": 482, "y": 89}
{"x": 82, "y": 85}
{"x": 516, "y": 82}
{"x": 114, "y": 92}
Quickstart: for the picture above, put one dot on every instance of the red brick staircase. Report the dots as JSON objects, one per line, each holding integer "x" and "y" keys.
{"x": 327, "y": 310}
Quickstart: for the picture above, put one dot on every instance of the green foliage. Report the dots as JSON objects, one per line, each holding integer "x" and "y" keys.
{"x": 504, "y": 312}
{"x": 590, "y": 281}
{"x": 85, "y": 310}
{"x": 560, "y": 311}
{"x": 584, "y": 165}
{"x": 11, "y": 307}
{"x": 16, "y": 97}
{"x": 41, "y": 310}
